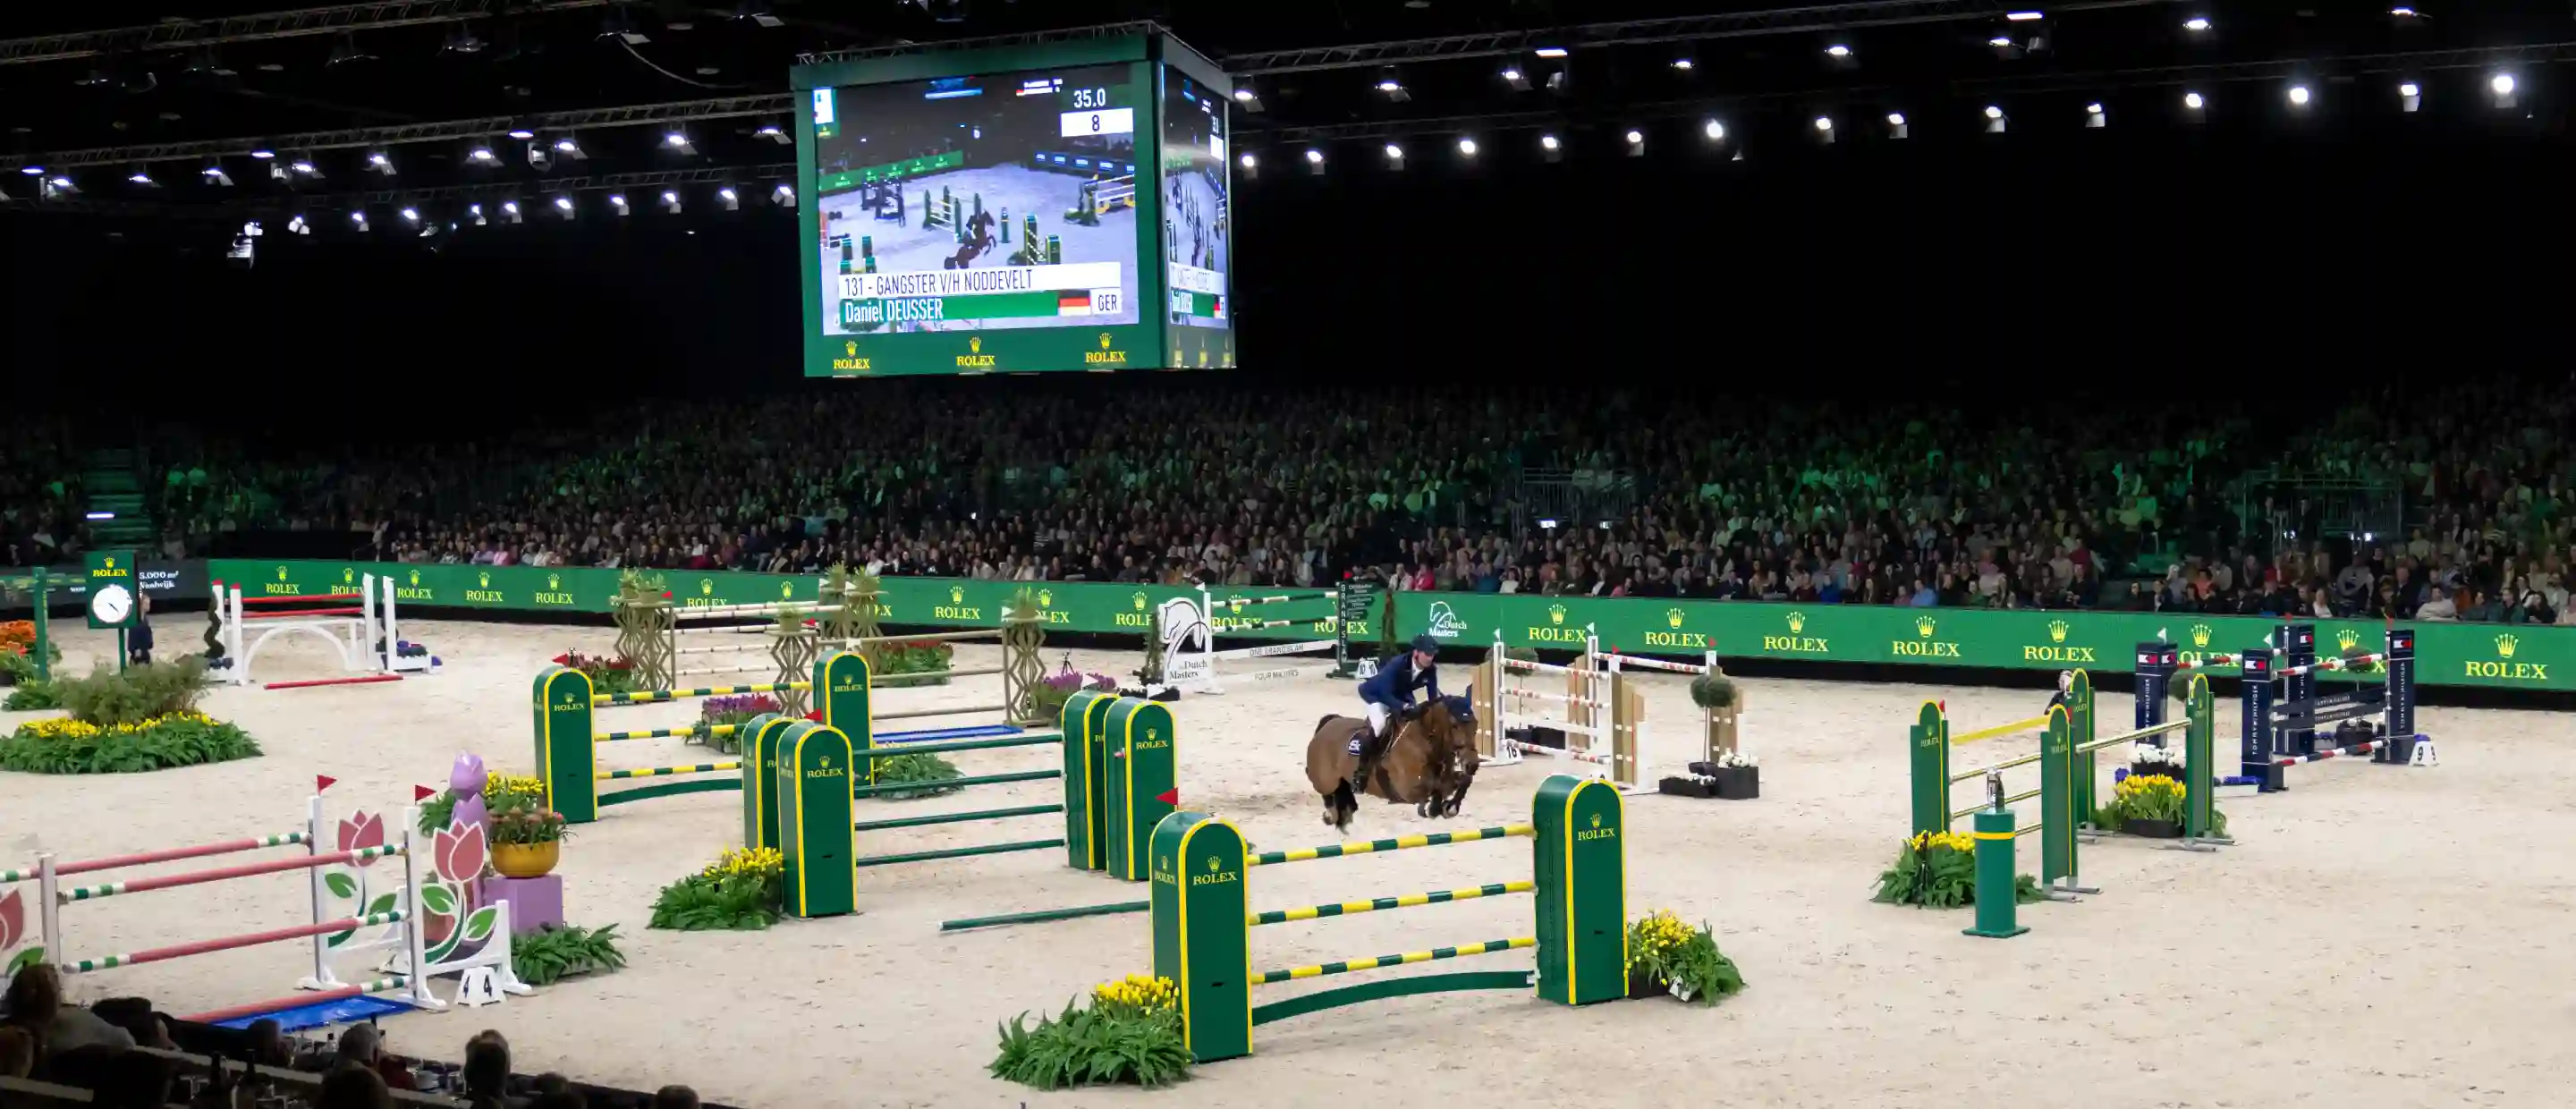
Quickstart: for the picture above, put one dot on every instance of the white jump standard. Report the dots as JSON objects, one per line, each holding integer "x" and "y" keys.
{"x": 1598, "y": 713}
{"x": 1188, "y": 632}
{"x": 360, "y": 626}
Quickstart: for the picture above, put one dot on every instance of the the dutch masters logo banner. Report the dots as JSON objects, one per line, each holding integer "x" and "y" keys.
{"x": 2517, "y": 656}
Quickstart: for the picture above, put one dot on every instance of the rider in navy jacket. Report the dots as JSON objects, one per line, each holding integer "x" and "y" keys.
{"x": 1391, "y": 692}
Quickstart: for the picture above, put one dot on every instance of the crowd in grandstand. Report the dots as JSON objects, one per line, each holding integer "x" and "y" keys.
{"x": 2127, "y": 501}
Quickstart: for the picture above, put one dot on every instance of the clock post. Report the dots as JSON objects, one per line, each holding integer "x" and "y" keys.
{"x": 112, "y": 594}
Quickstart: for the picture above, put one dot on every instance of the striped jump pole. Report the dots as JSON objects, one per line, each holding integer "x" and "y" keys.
{"x": 227, "y": 943}
{"x": 1202, "y": 926}
{"x": 221, "y": 873}
{"x": 1042, "y": 916}
{"x": 162, "y": 855}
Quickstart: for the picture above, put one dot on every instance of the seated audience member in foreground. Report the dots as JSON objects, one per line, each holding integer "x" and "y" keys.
{"x": 354, "y": 1087}
{"x": 487, "y": 1071}
{"x": 35, "y": 1003}
{"x": 675, "y": 1097}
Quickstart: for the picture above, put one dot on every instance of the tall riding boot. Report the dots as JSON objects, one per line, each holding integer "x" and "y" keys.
{"x": 1372, "y": 747}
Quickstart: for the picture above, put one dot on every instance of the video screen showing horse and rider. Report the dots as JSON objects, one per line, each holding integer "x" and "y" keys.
{"x": 1197, "y": 209}
{"x": 980, "y": 203}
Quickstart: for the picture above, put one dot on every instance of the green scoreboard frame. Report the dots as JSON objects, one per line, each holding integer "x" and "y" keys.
{"x": 1153, "y": 342}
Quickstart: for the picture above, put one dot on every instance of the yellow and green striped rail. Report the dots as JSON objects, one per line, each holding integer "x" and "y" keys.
{"x": 667, "y": 771}
{"x": 1397, "y": 843}
{"x": 668, "y": 733}
{"x": 648, "y": 696}
{"x": 1373, "y": 962}
{"x": 1380, "y": 904}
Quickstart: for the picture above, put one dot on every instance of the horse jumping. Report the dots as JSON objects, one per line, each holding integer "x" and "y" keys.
{"x": 1429, "y": 764}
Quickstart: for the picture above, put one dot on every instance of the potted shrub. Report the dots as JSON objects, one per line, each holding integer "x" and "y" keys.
{"x": 527, "y": 837}
{"x": 1938, "y": 870}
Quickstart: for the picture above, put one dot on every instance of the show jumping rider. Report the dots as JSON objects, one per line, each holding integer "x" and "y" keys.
{"x": 1390, "y": 693}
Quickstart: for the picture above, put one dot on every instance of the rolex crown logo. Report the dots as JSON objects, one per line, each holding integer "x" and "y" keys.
{"x": 1673, "y": 616}
{"x": 2057, "y": 631}
{"x": 1104, "y": 340}
{"x": 2200, "y": 635}
{"x": 827, "y": 762}
{"x": 1596, "y": 820}
{"x": 109, "y": 562}
{"x": 956, "y": 594}
{"x": 1046, "y": 598}
{"x": 347, "y": 575}
{"x": 1138, "y": 600}
{"x": 2505, "y": 645}
{"x": 1798, "y": 622}
{"x": 1215, "y": 864}
{"x": 2346, "y": 637}
{"x": 850, "y": 349}
{"x": 786, "y": 591}
{"x": 281, "y": 573}
{"x": 706, "y": 587}
{"x": 1556, "y": 614}
{"x": 484, "y": 579}
{"x": 1923, "y": 626}
{"x": 554, "y": 581}
{"x": 975, "y": 344}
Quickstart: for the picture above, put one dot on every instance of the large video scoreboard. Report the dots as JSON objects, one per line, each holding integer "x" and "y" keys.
{"x": 1021, "y": 209}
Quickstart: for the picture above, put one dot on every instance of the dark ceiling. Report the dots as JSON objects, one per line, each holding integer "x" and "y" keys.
{"x": 134, "y": 102}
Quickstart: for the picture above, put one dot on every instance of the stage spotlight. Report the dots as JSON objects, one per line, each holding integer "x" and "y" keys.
{"x": 263, "y": 153}
{"x": 1314, "y": 161}
{"x": 571, "y": 148}
{"x": 784, "y": 195}
{"x": 1518, "y": 81}
{"x": 1393, "y": 90}
{"x": 2022, "y": 17}
{"x": 380, "y": 162}
{"x": 304, "y": 166}
{"x": 2411, "y": 96}
{"x": 1250, "y": 100}
{"x": 411, "y": 215}
{"x": 474, "y": 214}
{"x": 617, "y": 203}
{"x": 1838, "y": 51}
{"x": 510, "y": 211}
{"x": 1825, "y": 129}
{"x": 1683, "y": 64}
{"x": 2299, "y": 96}
{"x": 1636, "y": 143}
{"x": 1394, "y": 156}
{"x": 671, "y": 202}
{"x": 1896, "y": 126}
{"x": 142, "y": 177}
{"x": 1715, "y": 131}
{"x": 728, "y": 200}
{"x": 679, "y": 141}
{"x": 1466, "y": 146}
{"x": 1994, "y": 120}
{"x": 1550, "y": 149}
{"x": 481, "y": 156}
{"x": 563, "y": 204}
{"x": 359, "y": 219}
{"x": 2194, "y": 101}
{"x": 2198, "y": 25}
{"x": 216, "y": 175}
{"x": 522, "y": 134}
{"x": 775, "y": 134}
{"x": 2094, "y": 116}
{"x": 1549, "y": 51}
{"x": 2502, "y": 86}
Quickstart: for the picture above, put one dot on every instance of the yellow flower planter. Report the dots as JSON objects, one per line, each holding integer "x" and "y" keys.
{"x": 526, "y": 860}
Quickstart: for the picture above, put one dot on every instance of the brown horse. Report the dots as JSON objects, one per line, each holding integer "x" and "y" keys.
{"x": 1429, "y": 765}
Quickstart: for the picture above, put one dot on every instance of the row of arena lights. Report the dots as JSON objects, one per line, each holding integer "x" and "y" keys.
{"x": 2502, "y": 87}
{"x": 478, "y": 214}
{"x": 540, "y": 154}
{"x": 1842, "y": 55}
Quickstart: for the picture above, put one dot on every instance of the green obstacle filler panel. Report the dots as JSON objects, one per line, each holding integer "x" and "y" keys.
{"x": 1198, "y": 908}
{"x": 1581, "y": 867}
{"x": 841, "y": 695}
{"x": 1930, "y": 756}
{"x": 813, "y": 799}
{"x": 760, "y": 736}
{"x": 1142, "y": 789}
{"x": 563, "y": 730}
{"x": 1085, "y": 724}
